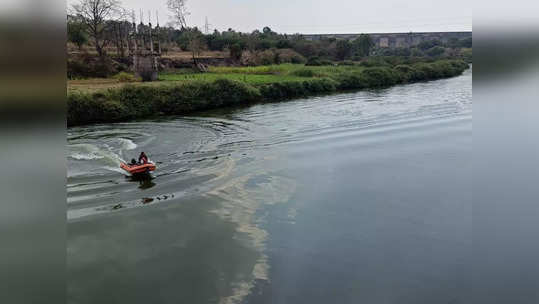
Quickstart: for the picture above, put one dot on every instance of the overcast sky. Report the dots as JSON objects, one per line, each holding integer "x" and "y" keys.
{"x": 316, "y": 16}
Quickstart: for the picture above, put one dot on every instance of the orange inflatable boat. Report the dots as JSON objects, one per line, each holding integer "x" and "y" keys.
{"x": 137, "y": 169}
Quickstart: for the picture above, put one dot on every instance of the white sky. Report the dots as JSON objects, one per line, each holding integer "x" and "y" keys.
{"x": 318, "y": 17}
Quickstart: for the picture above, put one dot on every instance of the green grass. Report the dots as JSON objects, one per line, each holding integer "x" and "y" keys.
{"x": 285, "y": 69}
{"x": 254, "y": 79}
{"x": 261, "y": 74}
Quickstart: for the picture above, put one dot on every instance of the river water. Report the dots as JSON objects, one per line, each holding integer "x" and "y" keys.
{"x": 359, "y": 197}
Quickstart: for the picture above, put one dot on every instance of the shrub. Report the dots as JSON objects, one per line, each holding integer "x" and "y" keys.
{"x": 303, "y": 73}
{"x": 346, "y": 63}
{"x": 315, "y": 61}
{"x": 435, "y": 51}
{"x": 140, "y": 99}
{"x": 349, "y": 81}
{"x": 231, "y": 92}
{"x": 282, "y": 90}
{"x": 291, "y": 89}
{"x": 322, "y": 85}
{"x": 98, "y": 107}
{"x": 406, "y": 72}
{"x": 326, "y": 62}
{"x": 379, "y": 77}
{"x": 374, "y": 62}
{"x": 427, "y": 44}
{"x": 297, "y": 59}
{"x": 426, "y": 71}
{"x": 126, "y": 77}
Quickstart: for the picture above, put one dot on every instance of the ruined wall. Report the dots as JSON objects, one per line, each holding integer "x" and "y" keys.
{"x": 145, "y": 49}
{"x": 145, "y": 67}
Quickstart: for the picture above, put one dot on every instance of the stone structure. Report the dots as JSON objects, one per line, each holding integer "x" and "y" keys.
{"x": 393, "y": 40}
{"x": 145, "y": 49}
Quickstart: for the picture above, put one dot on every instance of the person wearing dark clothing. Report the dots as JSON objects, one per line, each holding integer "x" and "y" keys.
{"x": 143, "y": 159}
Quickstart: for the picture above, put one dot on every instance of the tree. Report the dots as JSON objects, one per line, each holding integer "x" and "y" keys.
{"x": 179, "y": 12}
{"x": 363, "y": 45}
{"x": 235, "y": 51}
{"x": 76, "y": 33}
{"x": 435, "y": 51}
{"x": 466, "y": 42}
{"x": 343, "y": 49}
{"x": 95, "y": 14}
{"x": 197, "y": 44}
{"x": 428, "y": 44}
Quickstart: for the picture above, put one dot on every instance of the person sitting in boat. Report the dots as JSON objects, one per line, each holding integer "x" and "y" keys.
{"x": 133, "y": 162}
{"x": 143, "y": 159}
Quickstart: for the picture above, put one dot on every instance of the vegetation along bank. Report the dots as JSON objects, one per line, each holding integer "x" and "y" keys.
{"x": 183, "y": 93}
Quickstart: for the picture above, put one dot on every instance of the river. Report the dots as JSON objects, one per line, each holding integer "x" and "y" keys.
{"x": 360, "y": 197}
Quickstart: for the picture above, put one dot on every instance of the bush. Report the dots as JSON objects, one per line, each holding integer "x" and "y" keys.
{"x": 406, "y": 72}
{"x": 297, "y": 59}
{"x": 326, "y": 62}
{"x": 427, "y": 44}
{"x": 379, "y": 77}
{"x": 346, "y": 63}
{"x": 126, "y": 77}
{"x": 303, "y": 73}
{"x": 374, "y": 62}
{"x": 91, "y": 108}
{"x": 322, "y": 85}
{"x": 350, "y": 81}
{"x": 435, "y": 51}
{"x": 282, "y": 90}
{"x": 231, "y": 92}
{"x": 315, "y": 61}
{"x": 291, "y": 89}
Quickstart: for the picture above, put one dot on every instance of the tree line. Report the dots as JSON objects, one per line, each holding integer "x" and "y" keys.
{"x": 104, "y": 23}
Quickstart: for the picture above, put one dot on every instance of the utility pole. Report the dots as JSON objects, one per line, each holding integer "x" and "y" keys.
{"x": 207, "y": 27}
{"x": 158, "y": 35}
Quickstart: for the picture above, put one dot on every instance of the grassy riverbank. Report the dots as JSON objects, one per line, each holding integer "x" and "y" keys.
{"x": 182, "y": 93}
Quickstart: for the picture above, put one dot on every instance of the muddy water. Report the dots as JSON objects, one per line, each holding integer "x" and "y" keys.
{"x": 357, "y": 197}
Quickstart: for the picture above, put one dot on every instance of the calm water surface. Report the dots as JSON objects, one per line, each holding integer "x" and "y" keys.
{"x": 351, "y": 198}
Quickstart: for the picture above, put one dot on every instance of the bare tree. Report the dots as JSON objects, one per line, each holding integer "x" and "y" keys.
{"x": 96, "y": 15}
{"x": 179, "y": 12}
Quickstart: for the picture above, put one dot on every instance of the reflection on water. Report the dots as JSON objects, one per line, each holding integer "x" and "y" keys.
{"x": 145, "y": 181}
{"x": 328, "y": 199}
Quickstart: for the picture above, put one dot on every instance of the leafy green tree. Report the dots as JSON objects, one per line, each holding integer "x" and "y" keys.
{"x": 343, "y": 49}
{"x": 363, "y": 45}
{"x": 453, "y": 42}
{"x": 264, "y": 44}
{"x": 466, "y": 42}
{"x": 236, "y": 51}
{"x": 435, "y": 51}
{"x": 428, "y": 44}
{"x": 284, "y": 44}
{"x": 76, "y": 33}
